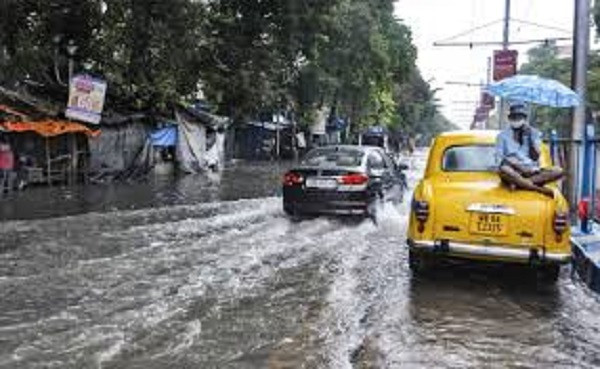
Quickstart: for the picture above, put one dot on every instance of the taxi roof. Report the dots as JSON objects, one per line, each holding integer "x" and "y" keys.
{"x": 467, "y": 136}
{"x": 475, "y": 133}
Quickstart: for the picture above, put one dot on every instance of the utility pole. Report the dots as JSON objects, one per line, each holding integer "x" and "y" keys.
{"x": 505, "y": 43}
{"x": 488, "y": 80}
{"x": 277, "y": 134}
{"x": 579, "y": 84}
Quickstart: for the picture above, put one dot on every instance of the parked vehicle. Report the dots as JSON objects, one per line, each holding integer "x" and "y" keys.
{"x": 462, "y": 210}
{"x": 342, "y": 180}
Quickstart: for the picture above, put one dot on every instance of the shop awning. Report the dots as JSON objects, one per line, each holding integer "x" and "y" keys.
{"x": 49, "y": 128}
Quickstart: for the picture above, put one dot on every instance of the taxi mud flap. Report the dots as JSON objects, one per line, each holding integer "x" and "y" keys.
{"x": 534, "y": 256}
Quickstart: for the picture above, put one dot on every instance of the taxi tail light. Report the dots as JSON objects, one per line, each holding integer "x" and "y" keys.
{"x": 353, "y": 179}
{"x": 421, "y": 210}
{"x": 292, "y": 178}
{"x": 561, "y": 222}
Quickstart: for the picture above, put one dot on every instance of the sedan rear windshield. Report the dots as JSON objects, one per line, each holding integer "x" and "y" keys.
{"x": 334, "y": 157}
{"x": 470, "y": 159}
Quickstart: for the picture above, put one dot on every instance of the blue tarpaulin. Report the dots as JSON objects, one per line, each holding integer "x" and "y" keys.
{"x": 376, "y": 131}
{"x": 336, "y": 124}
{"x": 164, "y": 137}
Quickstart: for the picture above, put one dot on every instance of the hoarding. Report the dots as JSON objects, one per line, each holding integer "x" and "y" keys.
{"x": 86, "y": 99}
{"x": 505, "y": 64}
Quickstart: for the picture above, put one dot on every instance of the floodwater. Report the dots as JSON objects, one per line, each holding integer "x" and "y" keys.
{"x": 209, "y": 273}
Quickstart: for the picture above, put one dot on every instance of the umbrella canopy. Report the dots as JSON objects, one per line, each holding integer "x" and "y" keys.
{"x": 535, "y": 90}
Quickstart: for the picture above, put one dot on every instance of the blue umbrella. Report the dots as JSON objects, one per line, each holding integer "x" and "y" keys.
{"x": 534, "y": 89}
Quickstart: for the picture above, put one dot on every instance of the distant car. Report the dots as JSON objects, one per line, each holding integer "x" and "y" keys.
{"x": 347, "y": 180}
{"x": 462, "y": 210}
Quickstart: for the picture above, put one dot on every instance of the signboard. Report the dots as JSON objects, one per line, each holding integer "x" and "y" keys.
{"x": 86, "y": 99}
{"x": 505, "y": 64}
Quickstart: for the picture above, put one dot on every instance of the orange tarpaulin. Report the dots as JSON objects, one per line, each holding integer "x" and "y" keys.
{"x": 49, "y": 128}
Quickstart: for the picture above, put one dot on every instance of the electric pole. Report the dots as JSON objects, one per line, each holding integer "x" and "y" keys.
{"x": 579, "y": 84}
{"x": 505, "y": 43}
{"x": 488, "y": 80}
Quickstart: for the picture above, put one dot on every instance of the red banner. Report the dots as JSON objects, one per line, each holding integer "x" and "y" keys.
{"x": 505, "y": 64}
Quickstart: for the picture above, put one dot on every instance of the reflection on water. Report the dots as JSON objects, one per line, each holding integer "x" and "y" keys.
{"x": 238, "y": 181}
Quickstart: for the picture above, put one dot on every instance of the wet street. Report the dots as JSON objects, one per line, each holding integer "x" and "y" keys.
{"x": 211, "y": 274}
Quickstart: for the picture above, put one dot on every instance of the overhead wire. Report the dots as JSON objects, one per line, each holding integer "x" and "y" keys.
{"x": 539, "y": 25}
{"x": 470, "y": 31}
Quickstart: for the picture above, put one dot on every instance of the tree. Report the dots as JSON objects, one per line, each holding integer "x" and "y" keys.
{"x": 544, "y": 61}
{"x": 248, "y": 57}
{"x": 146, "y": 50}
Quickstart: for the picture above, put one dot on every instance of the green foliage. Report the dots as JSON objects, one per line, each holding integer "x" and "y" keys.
{"x": 544, "y": 61}
{"x": 361, "y": 56}
{"x": 249, "y": 56}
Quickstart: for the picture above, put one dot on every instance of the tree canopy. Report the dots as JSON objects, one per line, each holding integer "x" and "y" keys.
{"x": 246, "y": 57}
{"x": 544, "y": 61}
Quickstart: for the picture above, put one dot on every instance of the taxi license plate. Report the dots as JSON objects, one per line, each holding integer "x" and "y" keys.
{"x": 322, "y": 183}
{"x": 489, "y": 224}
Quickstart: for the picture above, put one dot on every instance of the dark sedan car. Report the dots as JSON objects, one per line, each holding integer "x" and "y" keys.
{"x": 342, "y": 180}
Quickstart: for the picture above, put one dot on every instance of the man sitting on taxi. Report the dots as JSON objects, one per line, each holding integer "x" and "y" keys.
{"x": 518, "y": 149}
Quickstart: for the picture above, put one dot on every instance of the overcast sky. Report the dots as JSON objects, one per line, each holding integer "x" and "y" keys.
{"x": 436, "y": 20}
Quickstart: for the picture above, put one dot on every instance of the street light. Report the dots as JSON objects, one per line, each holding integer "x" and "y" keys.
{"x": 71, "y": 50}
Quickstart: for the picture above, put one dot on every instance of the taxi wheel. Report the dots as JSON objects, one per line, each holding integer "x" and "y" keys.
{"x": 549, "y": 273}
{"x": 419, "y": 262}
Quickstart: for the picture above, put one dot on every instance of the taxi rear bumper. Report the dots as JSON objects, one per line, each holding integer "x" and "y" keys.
{"x": 504, "y": 252}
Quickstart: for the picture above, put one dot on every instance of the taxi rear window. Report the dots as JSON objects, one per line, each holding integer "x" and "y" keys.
{"x": 472, "y": 158}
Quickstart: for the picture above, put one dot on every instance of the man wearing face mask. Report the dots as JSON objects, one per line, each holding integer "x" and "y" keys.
{"x": 518, "y": 151}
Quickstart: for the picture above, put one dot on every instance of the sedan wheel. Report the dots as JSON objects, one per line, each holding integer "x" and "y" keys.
{"x": 548, "y": 273}
{"x": 289, "y": 209}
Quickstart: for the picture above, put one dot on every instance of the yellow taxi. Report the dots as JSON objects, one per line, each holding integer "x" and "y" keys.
{"x": 461, "y": 209}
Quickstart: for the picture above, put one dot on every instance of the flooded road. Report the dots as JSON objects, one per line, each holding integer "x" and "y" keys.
{"x": 178, "y": 277}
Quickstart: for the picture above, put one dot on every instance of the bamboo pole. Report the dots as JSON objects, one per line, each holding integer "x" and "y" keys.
{"x": 48, "y": 164}
{"x": 73, "y": 174}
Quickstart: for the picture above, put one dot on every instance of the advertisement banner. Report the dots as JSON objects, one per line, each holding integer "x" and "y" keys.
{"x": 505, "y": 64}
{"x": 86, "y": 99}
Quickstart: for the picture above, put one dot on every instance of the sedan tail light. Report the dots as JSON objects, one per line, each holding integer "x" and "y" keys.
{"x": 292, "y": 178}
{"x": 354, "y": 179}
{"x": 561, "y": 222}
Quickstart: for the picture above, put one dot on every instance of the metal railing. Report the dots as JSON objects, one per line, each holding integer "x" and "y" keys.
{"x": 587, "y": 172}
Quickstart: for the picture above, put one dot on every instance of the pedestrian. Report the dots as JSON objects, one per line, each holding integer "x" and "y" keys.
{"x": 7, "y": 164}
{"x": 411, "y": 145}
{"x": 518, "y": 150}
